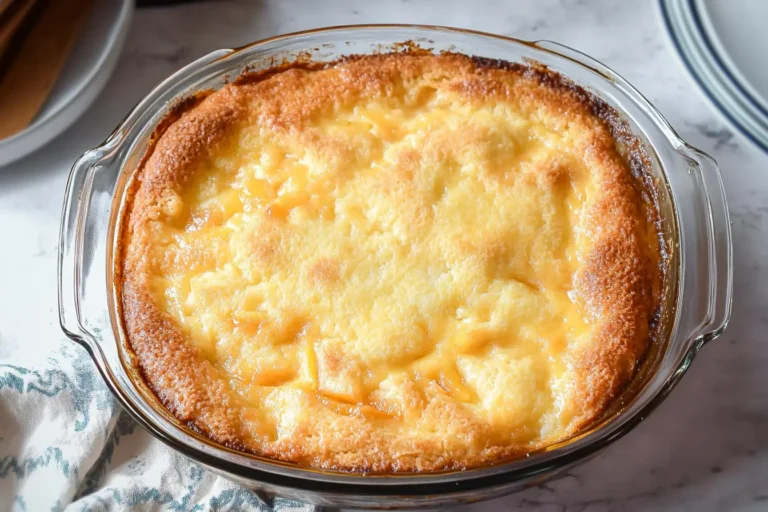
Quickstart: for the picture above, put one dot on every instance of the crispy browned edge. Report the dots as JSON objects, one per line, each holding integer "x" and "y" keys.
{"x": 608, "y": 278}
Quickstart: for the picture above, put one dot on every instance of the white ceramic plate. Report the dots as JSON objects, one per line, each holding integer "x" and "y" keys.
{"x": 739, "y": 37}
{"x": 84, "y": 75}
{"x": 729, "y": 68}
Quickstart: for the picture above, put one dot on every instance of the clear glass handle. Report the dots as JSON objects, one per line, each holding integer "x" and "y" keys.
{"x": 71, "y": 236}
{"x": 719, "y": 246}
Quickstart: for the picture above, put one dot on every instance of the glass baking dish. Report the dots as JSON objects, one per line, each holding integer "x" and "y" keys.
{"x": 694, "y": 217}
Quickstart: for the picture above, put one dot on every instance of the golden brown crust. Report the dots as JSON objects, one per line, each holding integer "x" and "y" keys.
{"x": 619, "y": 281}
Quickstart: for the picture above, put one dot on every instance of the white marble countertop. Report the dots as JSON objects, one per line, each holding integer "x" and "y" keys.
{"x": 706, "y": 446}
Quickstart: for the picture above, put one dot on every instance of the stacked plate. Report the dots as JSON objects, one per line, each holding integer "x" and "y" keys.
{"x": 47, "y": 85}
{"x": 724, "y": 44}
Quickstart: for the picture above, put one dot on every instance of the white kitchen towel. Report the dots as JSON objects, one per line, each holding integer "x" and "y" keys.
{"x": 66, "y": 445}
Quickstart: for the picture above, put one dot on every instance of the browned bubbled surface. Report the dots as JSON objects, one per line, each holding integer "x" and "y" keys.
{"x": 617, "y": 281}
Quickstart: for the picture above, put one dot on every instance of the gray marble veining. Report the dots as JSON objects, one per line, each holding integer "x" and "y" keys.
{"x": 705, "y": 448}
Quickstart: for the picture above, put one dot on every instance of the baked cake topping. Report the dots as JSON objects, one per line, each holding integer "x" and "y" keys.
{"x": 400, "y": 262}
